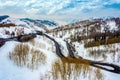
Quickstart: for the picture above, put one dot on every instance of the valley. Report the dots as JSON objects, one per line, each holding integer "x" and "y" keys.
{"x": 69, "y": 52}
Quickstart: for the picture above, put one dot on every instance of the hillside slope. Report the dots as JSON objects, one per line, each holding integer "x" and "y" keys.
{"x": 52, "y": 55}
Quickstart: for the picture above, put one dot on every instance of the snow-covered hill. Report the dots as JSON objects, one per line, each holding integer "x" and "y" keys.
{"x": 40, "y": 58}
{"x": 27, "y": 22}
{"x": 106, "y": 53}
{"x": 3, "y": 17}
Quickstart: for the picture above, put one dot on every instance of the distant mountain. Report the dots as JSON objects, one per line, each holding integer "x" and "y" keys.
{"x": 40, "y": 23}
{"x": 47, "y": 22}
{"x": 90, "y": 26}
{"x": 3, "y": 17}
{"x": 27, "y": 22}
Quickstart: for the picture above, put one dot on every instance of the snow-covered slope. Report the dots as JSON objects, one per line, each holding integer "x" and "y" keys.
{"x": 37, "y": 59}
{"x": 105, "y": 53}
{"x": 27, "y": 22}
{"x": 30, "y": 66}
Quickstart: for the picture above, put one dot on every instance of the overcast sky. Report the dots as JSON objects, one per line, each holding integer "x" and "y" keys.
{"x": 64, "y": 10}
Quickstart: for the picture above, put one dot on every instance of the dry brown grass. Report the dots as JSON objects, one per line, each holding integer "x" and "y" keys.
{"x": 38, "y": 58}
{"x": 98, "y": 53}
{"x": 73, "y": 69}
{"x": 24, "y": 56}
{"x": 7, "y": 25}
{"x": 102, "y": 42}
{"x": 111, "y": 50}
{"x": 20, "y": 54}
{"x": 37, "y": 44}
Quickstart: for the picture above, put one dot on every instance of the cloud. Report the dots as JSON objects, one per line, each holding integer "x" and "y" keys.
{"x": 32, "y": 11}
{"x": 8, "y": 3}
{"x": 60, "y": 9}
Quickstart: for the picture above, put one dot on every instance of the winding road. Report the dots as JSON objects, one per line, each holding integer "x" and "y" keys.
{"x": 57, "y": 45}
{"x": 71, "y": 50}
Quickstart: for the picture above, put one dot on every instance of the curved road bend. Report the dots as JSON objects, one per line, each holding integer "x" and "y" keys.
{"x": 71, "y": 50}
{"x": 57, "y": 45}
{"x": 116, "y": 69}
